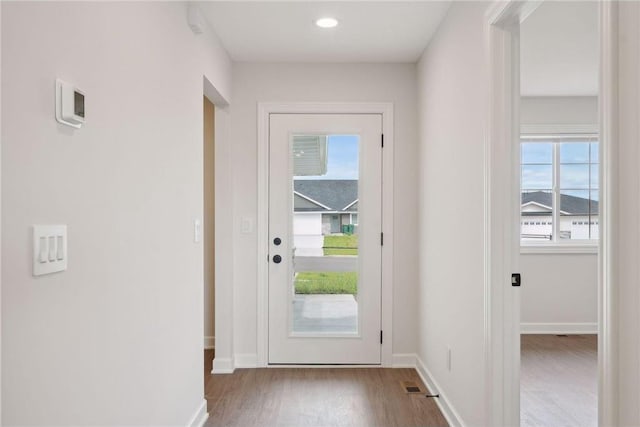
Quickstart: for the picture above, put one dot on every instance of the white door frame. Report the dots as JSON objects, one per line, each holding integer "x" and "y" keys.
{"x": 502, "y": 201}
{"x": 264, "y": 110}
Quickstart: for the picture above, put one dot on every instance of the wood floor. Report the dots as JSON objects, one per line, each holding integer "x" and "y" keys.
{"x": 559, "y": 381}
{"x": 317, "y": 398}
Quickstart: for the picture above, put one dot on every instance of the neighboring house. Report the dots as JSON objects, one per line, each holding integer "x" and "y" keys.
{"x": 576, "y": 216}
{"x": 322, "y": 207}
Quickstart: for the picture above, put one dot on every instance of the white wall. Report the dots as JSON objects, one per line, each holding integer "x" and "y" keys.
{"x": 559, "y": 292}
{"x": 452, "y": 105}
{"x": 116, "y": 339}
{"x": 255, "y": 83}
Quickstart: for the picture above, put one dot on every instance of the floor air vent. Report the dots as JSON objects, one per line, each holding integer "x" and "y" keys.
{"x": 411, "y": 387}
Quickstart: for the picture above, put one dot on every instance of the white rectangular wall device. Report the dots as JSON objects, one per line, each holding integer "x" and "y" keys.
{"x": 69, "y": 104}
{"x": 49, "y": 249}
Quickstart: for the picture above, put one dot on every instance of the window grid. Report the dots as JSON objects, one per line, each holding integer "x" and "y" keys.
{"x": 591, "y": 190}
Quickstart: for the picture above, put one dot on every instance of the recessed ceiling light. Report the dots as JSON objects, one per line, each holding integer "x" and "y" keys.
{"x": 327, "y": 22}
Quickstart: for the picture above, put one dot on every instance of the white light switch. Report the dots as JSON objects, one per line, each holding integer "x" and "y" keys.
{"x": 43, "y": 250}
{"x": 197, "y": 230}
{"x": 246, "y": 225}
{"x": 49, "y": 249}
{"x": 60, "y": 248}
{"x": 52, "y": 248}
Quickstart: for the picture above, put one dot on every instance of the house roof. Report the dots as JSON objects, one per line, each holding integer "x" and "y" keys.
{"x": 335, "y": 194}
{"x": 569, "y": 205}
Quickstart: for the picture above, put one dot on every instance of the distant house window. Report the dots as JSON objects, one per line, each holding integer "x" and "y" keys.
{"x": 354, "y": 219}
{"x": 560, "y": 186}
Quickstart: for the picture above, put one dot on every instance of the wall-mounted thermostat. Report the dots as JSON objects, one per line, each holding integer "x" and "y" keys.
{"x": 69, "y": 104}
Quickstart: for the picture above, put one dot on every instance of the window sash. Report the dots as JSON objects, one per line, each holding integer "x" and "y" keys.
{"x": 557, "y": 190}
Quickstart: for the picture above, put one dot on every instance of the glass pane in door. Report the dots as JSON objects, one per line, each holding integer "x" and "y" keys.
{"x": 324, "y": 287}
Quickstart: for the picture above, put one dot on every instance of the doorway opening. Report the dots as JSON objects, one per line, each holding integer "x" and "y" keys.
{"x": 361, "y": 125}
{"x": 571, "y": 157}
{"x": 208, "y": 234}
{"x": 559, "y": 214}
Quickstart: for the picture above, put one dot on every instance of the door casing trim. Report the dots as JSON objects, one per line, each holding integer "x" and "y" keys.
{"x": 262, "y": 222}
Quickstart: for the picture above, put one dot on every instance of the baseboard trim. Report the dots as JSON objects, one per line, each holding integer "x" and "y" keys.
{"x": 200, "y": 416}
{"x": 246, "y": 360}
{"x": 447, "y": 409}
{"x": 209, "y": 343}
{"x": 559, "y": 328}
{"x": 223, "y": 366}
{"x": 403, "y": 360}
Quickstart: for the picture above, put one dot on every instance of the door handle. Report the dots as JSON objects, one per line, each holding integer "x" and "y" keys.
{"x": 516, "y": 280}
{"x": 277, "y": 259}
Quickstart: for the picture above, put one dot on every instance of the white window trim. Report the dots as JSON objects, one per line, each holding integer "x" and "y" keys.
{"x": 559, "y": 248}
{"x": 351, "y": 218}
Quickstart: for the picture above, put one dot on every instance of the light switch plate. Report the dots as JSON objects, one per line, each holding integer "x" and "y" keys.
{"x": 49, "y": 249}
{"x": 246, "y": 225}
{"x": 197, "y": 230}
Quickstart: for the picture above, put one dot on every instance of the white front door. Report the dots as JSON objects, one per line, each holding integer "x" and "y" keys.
{"x": 325, "y": 273}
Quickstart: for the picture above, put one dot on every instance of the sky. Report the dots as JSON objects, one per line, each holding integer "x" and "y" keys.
{"x": 578, "y": 165}
{"x": 342, "y": 158}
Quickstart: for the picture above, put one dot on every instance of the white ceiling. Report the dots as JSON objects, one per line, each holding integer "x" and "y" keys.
{"x": 390, "y": 31}
{"x": 559, "y": 50}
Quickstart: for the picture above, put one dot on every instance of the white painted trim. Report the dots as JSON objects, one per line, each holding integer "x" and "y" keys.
{"x": 444, "y": 404}
{"x": 501, "y": 226}
{"x": 607, "y": 289}
{"x": 537, "y": 204}
{"x": 209, "y": 343}
{"x": 0, "y": 220}
{"x": 387, "y": 227}
{"x": 404, "y": 360}
{"x": 200, "y": 416}
{"x": 559, "y": 328}
{"x": 350, "y": 204}
{"x": 262, "y": 230}
{"x": 533, "y": 249}
{"x": 559, "y": 129}
{"x": 317, "y": 212}
{"x": 246, "y": 360}
{"x": 223, "y": 366}
{"x": 387, "y": 111}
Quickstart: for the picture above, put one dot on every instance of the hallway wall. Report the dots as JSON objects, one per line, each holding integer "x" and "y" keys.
{"x": 255, "y": 83}
{"x": 117, "y": 338}
{"x": 452, "y": 87}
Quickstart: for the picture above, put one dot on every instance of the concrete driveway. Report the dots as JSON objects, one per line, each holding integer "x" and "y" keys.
{"x": 326, "y": 263}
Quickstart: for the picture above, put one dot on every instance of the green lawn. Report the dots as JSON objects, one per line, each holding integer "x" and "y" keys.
{"x": 326, "y": 283}
{"x": 341, "y": 245}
